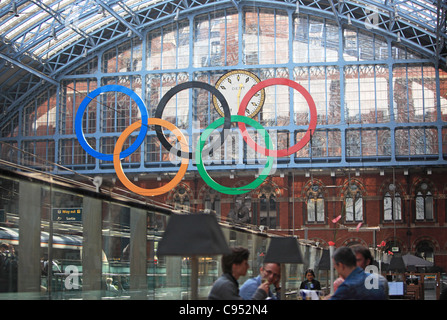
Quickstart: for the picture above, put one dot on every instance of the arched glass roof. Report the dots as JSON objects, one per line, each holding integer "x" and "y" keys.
{"x": 40, "y": 39}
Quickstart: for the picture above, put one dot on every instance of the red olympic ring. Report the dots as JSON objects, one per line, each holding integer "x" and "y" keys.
{"x": 312, "y": 125}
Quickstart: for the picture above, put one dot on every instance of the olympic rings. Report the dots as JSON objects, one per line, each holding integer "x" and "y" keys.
{"x": 237, "y": 190}
{"x": 310, "y": 130}
{"x": 186, "y": 85}
{"x": 119, "y": 169}
{"x": 184, "y": 153}
{"x": 83, "y": 106}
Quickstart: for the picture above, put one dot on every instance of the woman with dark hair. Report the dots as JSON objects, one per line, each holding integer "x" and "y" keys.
{"x": 310, "y": 283}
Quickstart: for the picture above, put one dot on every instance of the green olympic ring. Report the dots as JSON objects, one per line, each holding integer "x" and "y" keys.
{"x": 201, "y": 167}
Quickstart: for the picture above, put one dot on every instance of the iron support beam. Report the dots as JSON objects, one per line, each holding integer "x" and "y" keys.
{"x": 119, "y": 18}
{"x": 29, "y": 69}
{"x": 440, "y": 28}
{"x": 337, "y": 17}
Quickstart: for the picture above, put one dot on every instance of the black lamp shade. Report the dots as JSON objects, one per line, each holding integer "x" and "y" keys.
{"x": 397, "y": 264}
{"x": 283, "y": 250}
{"x": 193, "y": 234}
{"x": 325, "y": 261}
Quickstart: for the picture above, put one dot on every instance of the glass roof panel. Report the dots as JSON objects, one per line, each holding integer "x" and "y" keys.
{"x": 46, "y": 28}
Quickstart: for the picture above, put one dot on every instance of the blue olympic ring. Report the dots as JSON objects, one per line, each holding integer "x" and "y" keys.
{"x": 80, "y": 113}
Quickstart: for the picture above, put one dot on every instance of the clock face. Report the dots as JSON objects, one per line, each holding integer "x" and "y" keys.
{"x": 234, "y": 85}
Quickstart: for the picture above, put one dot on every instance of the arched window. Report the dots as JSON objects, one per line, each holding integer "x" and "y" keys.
{"x": 181, "y": 199}
{"x": 424, "y": 249}
{"x": 212, "y": 202}
{"x": 267, "y": 210}
{"x": 315, "y": 205}
{"x": 392, "y": 204}
{"x": 241, "y": 210}
{"x": 354, "y": 204}
{"x": 424, "y": 203}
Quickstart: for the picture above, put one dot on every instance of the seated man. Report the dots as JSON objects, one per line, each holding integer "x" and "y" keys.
{"x": 270, "y": 272}
{"x": 365, "y": 261}
{"x": 234, "y": 265}
{"x": 357, "y": 283}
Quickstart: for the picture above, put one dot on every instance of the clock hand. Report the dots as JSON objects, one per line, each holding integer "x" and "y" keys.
{"x": 239, "y": 95}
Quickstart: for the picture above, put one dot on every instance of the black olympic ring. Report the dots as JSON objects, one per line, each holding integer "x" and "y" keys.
{"x": 187, "y": 85}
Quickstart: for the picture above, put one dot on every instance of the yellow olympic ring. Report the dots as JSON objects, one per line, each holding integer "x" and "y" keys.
{"x": 119, "y": 169}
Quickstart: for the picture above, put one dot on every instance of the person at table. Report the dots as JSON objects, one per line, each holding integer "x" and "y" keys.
{"x": 354, "y": 286}
{"x": 235, "y": 265}
{"x": 365, "y": 259}
{"x": 269, "y": 272}
{"x": 310, "y": 283}
{"x": 363, "y": 256}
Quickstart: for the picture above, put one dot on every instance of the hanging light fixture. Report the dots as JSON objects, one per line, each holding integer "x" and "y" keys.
{"x": 193, "y": 235}
{"x": 13, "y": 9}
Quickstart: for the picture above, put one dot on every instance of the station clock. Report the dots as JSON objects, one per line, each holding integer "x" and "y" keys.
{"x": 234, "y": 85}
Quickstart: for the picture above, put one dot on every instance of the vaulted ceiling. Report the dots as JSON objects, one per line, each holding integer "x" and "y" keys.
{"x": 42, "y": 39}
